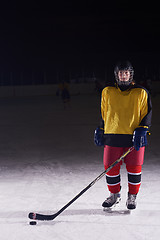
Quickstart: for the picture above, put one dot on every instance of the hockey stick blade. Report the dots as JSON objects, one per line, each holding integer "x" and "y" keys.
{"x": 43, "y": 217}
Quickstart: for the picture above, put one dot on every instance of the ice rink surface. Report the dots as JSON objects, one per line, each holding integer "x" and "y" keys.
{"x": 47, "y": 156}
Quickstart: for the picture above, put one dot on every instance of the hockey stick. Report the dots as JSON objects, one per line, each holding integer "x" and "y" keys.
{"x": 43, "y": 217}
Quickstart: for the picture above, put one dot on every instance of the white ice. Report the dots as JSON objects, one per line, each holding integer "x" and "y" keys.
{"x": 47, "y": 156}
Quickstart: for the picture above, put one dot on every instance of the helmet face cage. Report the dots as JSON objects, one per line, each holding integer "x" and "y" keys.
{"x": 125, "y": 66}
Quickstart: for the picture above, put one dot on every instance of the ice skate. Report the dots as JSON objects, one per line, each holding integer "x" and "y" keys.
{"x": 131, "y": 201}
{"x": 112, "y": 200}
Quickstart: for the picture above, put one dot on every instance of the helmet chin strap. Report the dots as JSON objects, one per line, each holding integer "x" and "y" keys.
{"x": 124, "y": 83}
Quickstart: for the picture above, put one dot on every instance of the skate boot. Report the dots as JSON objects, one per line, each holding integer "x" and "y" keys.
{"x": 131, "y": 201}
{"x": 112, "y": 200}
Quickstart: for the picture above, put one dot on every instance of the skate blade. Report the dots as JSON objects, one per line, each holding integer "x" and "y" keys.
{"x": 110, "y": 209}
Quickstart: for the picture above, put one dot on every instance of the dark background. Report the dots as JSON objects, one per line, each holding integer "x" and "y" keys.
{"x": 68, "y": 39}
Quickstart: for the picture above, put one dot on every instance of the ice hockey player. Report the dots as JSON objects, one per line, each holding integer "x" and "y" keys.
{"x": 125, "y": 119}
{"x": 65, "y": 94}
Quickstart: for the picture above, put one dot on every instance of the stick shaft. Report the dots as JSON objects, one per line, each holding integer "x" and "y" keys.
{"x": 37, "y": 216}
{"x": 94, "y": 181}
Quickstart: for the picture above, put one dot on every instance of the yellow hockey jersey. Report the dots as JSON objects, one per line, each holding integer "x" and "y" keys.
{"x": 122, "y": 112}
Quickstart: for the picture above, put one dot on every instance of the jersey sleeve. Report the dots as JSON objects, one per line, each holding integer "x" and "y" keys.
{"x": 103, "y": 105}
{"x": 146, "y": 114}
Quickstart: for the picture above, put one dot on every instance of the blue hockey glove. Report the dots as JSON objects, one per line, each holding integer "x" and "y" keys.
{"x": 140, "y": 137}
{"x": 99, "y": 137}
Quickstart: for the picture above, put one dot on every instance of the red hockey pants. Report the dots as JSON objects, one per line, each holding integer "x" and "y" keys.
{"x": 133, "y": 161}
